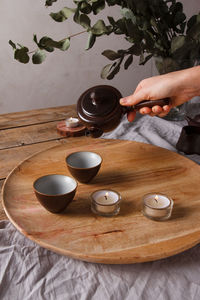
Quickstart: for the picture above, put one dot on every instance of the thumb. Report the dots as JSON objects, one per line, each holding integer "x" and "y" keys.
{"x": 136, "y": 97}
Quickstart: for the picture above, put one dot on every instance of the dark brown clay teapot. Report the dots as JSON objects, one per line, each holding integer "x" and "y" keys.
{"x": 98, "y": 108}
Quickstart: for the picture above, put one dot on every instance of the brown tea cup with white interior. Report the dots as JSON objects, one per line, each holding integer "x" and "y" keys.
{"x": 84, "y": 165}
{"x": 55, "y": 192}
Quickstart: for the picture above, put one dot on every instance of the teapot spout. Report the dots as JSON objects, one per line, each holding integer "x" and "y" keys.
{"x": 94, "y": 132}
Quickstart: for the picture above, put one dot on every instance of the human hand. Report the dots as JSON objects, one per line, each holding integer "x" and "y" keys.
{"x": 179, "y": 86}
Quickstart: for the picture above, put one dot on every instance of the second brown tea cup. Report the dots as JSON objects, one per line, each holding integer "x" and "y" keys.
{"x": 83, "y": 165}
{"x": 54, "y": 191}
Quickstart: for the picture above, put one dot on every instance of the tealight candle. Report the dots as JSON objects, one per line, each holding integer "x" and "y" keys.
{"x": 105, "y": 202}
{"x": 157, "y": 206}
{"x": 72, "y": 122}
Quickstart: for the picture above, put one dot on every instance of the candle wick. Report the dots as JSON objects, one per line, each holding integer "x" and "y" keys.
{"x": 106, "y": 197}
{"x": 156, "y": 199}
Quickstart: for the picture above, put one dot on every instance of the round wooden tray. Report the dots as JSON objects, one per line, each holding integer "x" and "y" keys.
{"x": 133, "y": 169}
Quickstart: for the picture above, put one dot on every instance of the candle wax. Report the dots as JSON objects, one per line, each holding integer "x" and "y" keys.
{"x": 106, "y": 198}
{"x": 72, "y": 122}
{"x": 157, "y": 201}
{"x": 106, "y": 201}
{"x": 157, "y": 206}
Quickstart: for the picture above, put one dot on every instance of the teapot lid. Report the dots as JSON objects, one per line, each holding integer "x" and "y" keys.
{"x": 98, "y": 101}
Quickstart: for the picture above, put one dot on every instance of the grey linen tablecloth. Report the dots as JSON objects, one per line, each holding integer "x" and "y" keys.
{"x": 28, "y": 271}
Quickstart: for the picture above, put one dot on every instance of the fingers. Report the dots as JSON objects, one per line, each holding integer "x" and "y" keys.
{"x": 145, "y": 110}
{"x": 131, "y": 116}
{"x": 165, "y": 111}
{"x": 156, "y": 110}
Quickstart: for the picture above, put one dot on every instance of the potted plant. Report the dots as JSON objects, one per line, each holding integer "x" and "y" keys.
{"x": 155, "y": 29}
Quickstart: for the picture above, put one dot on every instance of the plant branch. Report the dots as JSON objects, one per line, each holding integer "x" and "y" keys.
{"x": 70, "y": 36}
{"x": 73, "y": 35}
{"x": 33, "y": 51}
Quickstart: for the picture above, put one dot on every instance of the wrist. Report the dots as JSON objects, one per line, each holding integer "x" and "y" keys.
{"x": 191, "y": 81}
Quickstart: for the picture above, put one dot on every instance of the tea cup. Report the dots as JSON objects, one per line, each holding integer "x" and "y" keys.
{"x": 83, "y": 165}
{"x": 54, "y": 191}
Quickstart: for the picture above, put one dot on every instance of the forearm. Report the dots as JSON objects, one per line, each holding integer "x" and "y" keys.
{"x": 190, "y": 81}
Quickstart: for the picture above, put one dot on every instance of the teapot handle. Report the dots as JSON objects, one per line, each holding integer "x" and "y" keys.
{"x": 149, "y": 103}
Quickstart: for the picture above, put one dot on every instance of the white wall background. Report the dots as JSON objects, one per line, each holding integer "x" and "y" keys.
{"x": 64, "y": 75}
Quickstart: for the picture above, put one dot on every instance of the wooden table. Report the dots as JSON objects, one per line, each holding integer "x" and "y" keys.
{"x": 24, "y": 133}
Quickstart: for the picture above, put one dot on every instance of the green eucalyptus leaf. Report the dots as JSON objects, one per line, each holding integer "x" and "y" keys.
{"x": 111, "y": 2}
{"x": 99, "y": 28}
{"x": 166, "y": 65}
{"x": 85, "y": 7}
{"x": 121, "y": 24}
{"x": 194, "y": 32}
{"x": 22, "y": 55}
{"x": 159, "y": 46}
{"x": 132, "y": 30}
{"x": 128, "y": 14}
{"x": 38, "y": 57}
{"x": 154, "y": 24}
{"x": 91, "y": 40}
{"x": 48, "y": 49}
{"x": 130, "y": 40}
{"x": 110, "y": 54}
{"x": 105, "y": 71}
{"x": 84, "y": 21}
{"x": 65, "y": 44}
{"x": 76, "y": 16}
{"x": 177, "y": 42}
{"x": 12, "y": 44}
{"x": 128, "y": 62}
{"x": 98, "y": 6}
{"x": 179, "y": 18}
{"x": 44, "y": 43}
{"x": 35, "y": 39}
{"x": 62, "y": 15}
{"x": 182, "y": 27}
{"x": 48, "y": 43}
{"x": 149, "y": 40}
{"x": 144, "y": 59}
{"x": 191, "y": 22}
{"x": 175, "y": 7}
{"x": 109, "y": 71}
{"x": 141, "y": 61}
{"x": 114, "y": 71}
{"x": 49, "y": 2}
{"x": 111, "y": 20}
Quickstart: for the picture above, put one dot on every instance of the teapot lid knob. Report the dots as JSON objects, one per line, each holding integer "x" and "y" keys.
{"x": 95, "y": 97}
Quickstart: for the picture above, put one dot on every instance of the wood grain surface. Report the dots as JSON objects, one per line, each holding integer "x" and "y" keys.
{"x": 24, "y": 133}
{"x": 2, "y": 212}
{"x": 133, "y": 169}
{"x": 36, "y": 116}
